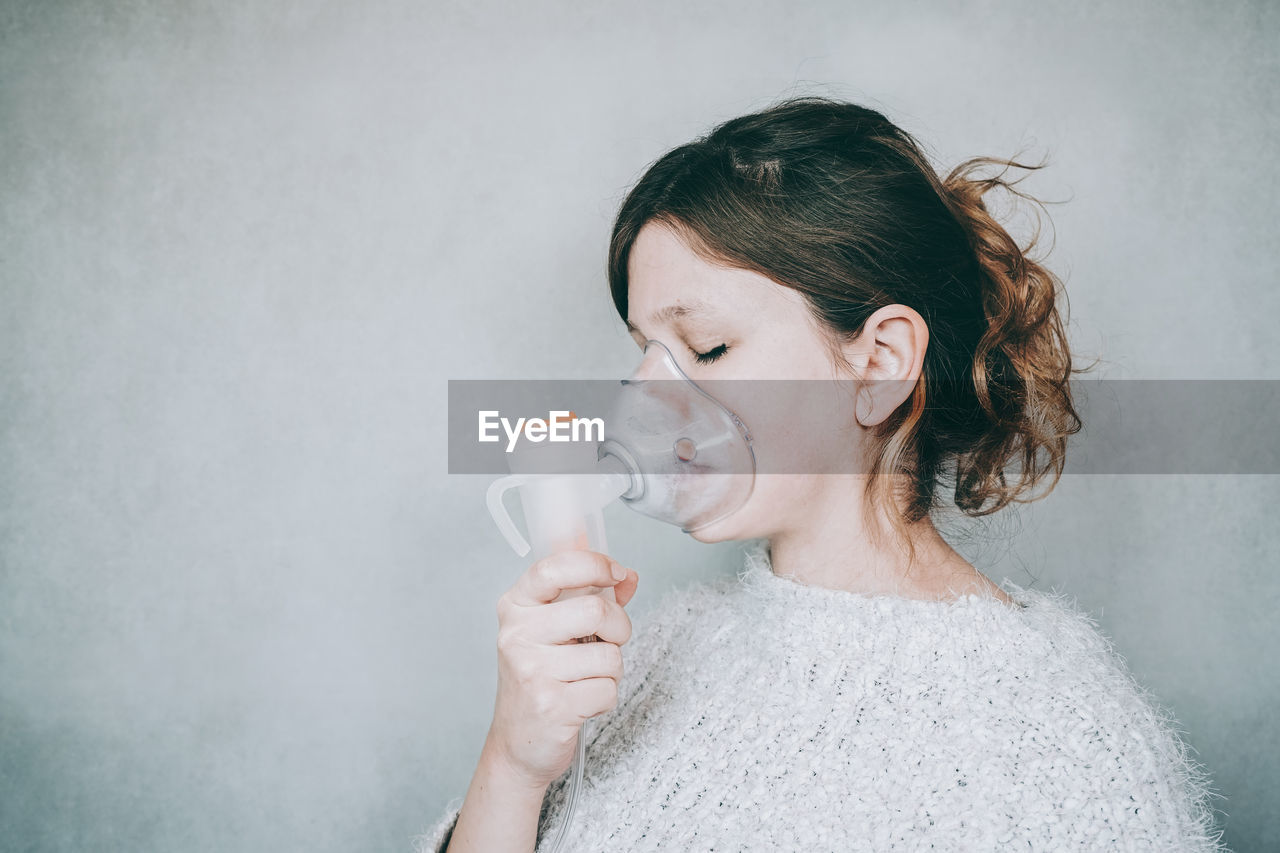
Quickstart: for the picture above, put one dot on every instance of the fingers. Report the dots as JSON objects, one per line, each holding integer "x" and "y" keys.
{"x": 626, "y": 589}
{"x": 592, "y": 696}
{"x": 546, "y": 579}
{"x": 575, "y": 662}
{"x": 564, "y": 621}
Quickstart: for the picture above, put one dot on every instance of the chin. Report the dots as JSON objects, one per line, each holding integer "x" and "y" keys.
{"x": 727, "y": 529}
{"x": 707, "y": 535}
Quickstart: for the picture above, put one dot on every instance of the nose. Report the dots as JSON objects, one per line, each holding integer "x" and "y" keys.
{"x": 650, "y": 367}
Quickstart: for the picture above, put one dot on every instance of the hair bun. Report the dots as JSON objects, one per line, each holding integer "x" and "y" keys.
{"x": 1022, "y": 363}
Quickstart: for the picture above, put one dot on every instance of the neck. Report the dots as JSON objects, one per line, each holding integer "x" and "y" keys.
{"x": 832, "y": 546}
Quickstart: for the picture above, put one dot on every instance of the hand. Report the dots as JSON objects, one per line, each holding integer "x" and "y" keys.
{"x": 548, "y": 681}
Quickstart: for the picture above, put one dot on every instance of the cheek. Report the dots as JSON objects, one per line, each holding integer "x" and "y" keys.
{"x": 800, "y": 427}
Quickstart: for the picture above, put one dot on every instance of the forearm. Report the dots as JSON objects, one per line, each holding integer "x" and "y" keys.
{"x": 500, "y": 812}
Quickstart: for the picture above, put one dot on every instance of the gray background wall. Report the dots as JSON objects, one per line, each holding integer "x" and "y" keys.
{"x": 243, "y": 245}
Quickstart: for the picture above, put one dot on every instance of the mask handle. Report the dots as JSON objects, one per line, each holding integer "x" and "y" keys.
{"x": 498, "y": 509}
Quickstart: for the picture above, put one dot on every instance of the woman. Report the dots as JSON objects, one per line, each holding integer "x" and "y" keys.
{"x": 859, "y": 685}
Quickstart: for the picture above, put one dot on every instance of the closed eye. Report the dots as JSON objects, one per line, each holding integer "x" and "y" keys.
{"x": 710, "y": 355}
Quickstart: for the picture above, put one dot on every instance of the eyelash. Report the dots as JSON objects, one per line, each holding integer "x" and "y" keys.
{"x": 710, "y": 355}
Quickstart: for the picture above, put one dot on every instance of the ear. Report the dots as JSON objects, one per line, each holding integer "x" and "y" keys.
{"x": 887, "y": 357}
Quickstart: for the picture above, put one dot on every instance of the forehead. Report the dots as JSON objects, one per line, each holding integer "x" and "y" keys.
{"x": 663, "y": 271}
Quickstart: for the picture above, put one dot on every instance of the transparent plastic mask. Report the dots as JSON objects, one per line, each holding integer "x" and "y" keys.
{"x": 689, "y": 457}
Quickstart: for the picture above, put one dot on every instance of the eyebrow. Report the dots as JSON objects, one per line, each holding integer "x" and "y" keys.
{"x": 671, "y": 312}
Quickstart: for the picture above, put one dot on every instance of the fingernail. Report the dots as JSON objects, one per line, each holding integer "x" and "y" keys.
{"x": 619, "y": 573}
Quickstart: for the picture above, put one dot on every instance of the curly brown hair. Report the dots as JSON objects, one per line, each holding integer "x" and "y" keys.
{"x": 834, "y": 200}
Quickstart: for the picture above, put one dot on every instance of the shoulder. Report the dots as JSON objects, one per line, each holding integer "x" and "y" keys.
{"x": 1088, "y": 732}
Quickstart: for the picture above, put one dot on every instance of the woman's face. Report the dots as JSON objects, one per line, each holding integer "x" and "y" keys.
{"x": 732, "y": 324}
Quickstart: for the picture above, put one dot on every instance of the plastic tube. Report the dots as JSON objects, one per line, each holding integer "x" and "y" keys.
{"x": 575, "y": 787}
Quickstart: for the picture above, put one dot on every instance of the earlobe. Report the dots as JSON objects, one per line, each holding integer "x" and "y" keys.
{"x": 863, "y": 407}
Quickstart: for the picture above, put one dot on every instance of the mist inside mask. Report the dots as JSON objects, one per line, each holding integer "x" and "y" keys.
{"x": 689, "y": 458}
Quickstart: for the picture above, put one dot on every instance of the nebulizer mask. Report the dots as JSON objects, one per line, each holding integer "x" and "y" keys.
{"x": 669, "y": 450}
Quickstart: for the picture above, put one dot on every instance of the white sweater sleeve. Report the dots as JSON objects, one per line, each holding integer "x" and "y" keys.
{"x": 436, "y": 839}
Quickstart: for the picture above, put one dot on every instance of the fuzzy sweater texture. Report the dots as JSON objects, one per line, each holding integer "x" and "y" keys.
{"x": 759, "y": 713}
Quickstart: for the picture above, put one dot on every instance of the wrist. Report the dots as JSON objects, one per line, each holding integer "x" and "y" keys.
{"x": 498, "y": 764}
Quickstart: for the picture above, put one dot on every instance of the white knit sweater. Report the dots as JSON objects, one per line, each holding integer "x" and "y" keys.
{"x": 757, "y": 713}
